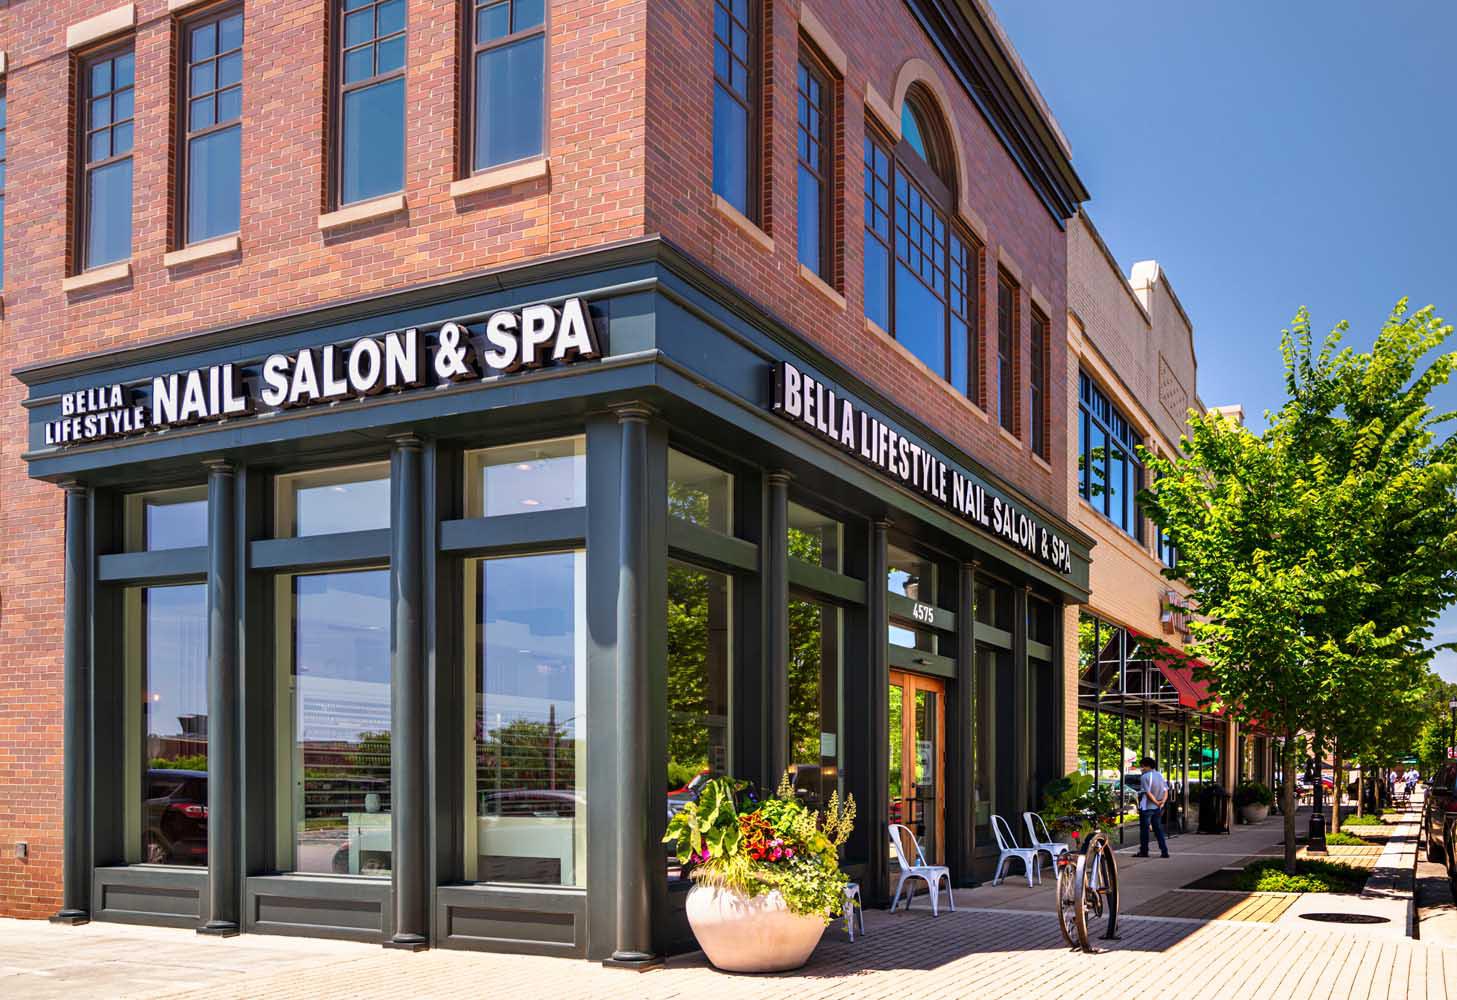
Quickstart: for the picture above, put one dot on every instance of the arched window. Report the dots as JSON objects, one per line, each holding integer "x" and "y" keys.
{"x": 920, "y": 268}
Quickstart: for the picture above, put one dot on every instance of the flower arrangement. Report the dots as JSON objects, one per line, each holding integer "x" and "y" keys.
{"x": 777, "y": 844}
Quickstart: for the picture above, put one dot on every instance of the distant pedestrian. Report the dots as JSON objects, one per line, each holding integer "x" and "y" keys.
{"x": 1153, "y": 793}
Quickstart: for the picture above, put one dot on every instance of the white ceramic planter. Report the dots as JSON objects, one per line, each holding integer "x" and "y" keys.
{"x": 1254, "y": 813}
{"x": 750, "y": 934}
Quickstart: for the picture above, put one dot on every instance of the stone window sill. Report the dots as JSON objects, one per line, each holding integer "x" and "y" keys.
{"x": 501, "y": 177}
{"x": 820, "y": 285}
{"x": 364, "y": 211}
{"x": 96, "y": 277}
{"x": 746, "y": 225}
{"x": 202, "y": 251}
{"x": 1014, "y": 439}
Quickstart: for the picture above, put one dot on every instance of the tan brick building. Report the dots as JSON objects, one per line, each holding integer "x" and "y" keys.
{"x": 383, "y": 368}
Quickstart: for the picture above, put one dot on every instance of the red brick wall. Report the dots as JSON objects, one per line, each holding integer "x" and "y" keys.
{"x": 607, "y": 182}
{"x": 878, "y": 38}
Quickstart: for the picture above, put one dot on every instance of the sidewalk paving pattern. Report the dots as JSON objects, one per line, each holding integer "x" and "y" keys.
{"x": 1003, "y": 941}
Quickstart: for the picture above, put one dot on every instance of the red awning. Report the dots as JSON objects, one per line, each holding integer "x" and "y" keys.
{"x": 1178, "y": 670}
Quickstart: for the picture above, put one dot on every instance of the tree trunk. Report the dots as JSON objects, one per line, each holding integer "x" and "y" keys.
{"x": 1287, "y": 799}
{"x": 1361, "y": 790}
{"x": 1338, "y": 788}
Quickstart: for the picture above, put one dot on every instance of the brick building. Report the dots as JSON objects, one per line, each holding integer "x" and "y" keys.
{"x": 390, "y": 366}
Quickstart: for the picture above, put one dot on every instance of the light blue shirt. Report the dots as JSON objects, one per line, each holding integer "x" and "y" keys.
{"x": 1152, "y": 789}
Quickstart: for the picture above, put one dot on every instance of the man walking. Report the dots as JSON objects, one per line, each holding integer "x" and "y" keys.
{"x": 1153, "y": 793}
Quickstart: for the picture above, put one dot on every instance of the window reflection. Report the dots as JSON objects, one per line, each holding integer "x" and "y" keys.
{"x": 341, "y": 700}
{"x": 328, "y": 501}
{"x": 371, "y": 77}
{"x": 700, "y": 493}
{"x": 166, "y": 519}
{"x": 510, "y": 59}
{"x": 529, "y": 720}
{"x": 520, "y": 479}
{"x": 814, "y": 691}
{"x": 814, "y": 538}
{"x": 699, "y": 618}
{"x": 174, "y": 704}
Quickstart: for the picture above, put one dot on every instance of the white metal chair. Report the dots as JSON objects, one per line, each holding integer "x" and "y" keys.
{"x": 853, "y": 910}
{"x": 932, "y": 875}
{"x": 1039, "y": 838}
{"x": 1010, "y": 849}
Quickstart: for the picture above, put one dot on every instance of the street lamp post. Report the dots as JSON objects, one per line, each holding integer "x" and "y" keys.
{"x": 1315, "y": 841}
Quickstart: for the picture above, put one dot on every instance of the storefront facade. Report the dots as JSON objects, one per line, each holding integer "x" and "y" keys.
{"x": 393, "y": 571}
{"x": 1131, "y": 352}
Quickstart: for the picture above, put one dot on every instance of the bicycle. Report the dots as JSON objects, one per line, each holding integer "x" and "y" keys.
{"x": 1087, "y": 890}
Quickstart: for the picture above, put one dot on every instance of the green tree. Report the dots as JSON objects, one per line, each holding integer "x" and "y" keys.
{"x": 1320, "y": 551}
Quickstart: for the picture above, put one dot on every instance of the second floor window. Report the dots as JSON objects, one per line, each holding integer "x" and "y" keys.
{"x": 1007, "y": 323}
{"x": 920, "y": 271}
{"x": 1037, "y": 385}
{"x": 508, "y": 65}
{"x": 370, "y": 112}
{"x": 735, "y": 96}
{"x": 213, "y": 130}
{"x": 105, "y": 206}
{"x": 1110, "y": 473}
{"x": 816, "y": 170}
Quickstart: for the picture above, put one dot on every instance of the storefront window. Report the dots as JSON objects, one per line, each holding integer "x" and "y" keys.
{"x": 524, "y": 478}
{"x": 700, "y": 493}
{"x": 993, "y": 604}
{"x": 171, "y": 643}
{"x": 528, "y": 641}
{"x": 329, "y": 501}
{"x": 339, "y": 691}
{"x": 814, "y": 692}
{"x": 166, "y": 519}
{"x": 699, "y": 619}
{"x": 814, "y": 538}
{"x": 914, "y": 578}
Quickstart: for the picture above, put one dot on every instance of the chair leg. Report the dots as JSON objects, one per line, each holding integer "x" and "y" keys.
{"x": 898, "y": 887}
{"x": 1030, "y": 869}
{"x": 950, "y": 896}
{"x": 860, "y": 914}
{"x": 997, "y": 875}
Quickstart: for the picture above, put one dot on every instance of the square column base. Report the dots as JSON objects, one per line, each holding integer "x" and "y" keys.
{"x": 634, "y": 962}
{"x": 72, "y": 918}
{"x": 408, "y": 942}
{"x": 219, "y": 928}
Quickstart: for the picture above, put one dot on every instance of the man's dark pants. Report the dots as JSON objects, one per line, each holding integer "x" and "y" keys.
{"x": 1156, "y": 817}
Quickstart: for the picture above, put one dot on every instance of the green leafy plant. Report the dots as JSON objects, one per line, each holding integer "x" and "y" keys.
{"x": 1363, "y": 820}
{"x": 736, "y": 843}
{"x": 1075, "y": 804}
{"x": 1340, "y": 838}
{"x": 1253, "y": 793}
{"x": 1310, "y": 876}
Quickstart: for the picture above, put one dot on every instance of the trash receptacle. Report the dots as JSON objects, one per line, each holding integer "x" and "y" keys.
{"x": 1213, "y": 809}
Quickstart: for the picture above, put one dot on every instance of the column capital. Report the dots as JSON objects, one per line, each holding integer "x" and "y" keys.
{"x": 408, "y": 441}
{"x": 778, "y": 477}
{"x": 633, "y": 411}
{"x": 883, "y": 523}
{"x": 220, "y": 466}
{"x": 74, "y": 486}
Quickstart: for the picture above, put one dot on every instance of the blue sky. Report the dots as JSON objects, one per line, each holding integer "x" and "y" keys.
{"x": 1269, "y": 155}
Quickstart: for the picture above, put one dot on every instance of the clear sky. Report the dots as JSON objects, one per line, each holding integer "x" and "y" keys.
{"x": 1269, "y": 154}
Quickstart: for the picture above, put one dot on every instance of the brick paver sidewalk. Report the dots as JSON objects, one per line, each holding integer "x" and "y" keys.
{"x": 971, "y": 953}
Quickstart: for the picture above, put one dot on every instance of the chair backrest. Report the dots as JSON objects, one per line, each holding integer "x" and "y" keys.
{"x": 897, "y": 831}
{"x": 1036, "y": 829}
{"x": 1003, "y": 830}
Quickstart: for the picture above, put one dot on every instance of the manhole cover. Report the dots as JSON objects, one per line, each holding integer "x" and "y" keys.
{"x": 1345, "y": 918}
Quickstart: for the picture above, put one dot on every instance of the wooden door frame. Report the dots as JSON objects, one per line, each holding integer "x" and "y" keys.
{"x": 909, "y": 683}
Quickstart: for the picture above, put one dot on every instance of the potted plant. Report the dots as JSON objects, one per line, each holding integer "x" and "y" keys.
{"x": 766, "y": 874}
{"x": 1253, "y": 800}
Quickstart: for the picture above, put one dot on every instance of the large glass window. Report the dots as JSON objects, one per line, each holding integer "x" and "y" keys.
{"x": 700, "y": 603}
{"x": 508, "y": 73}
{"x": 166, "y": 519}
{"x": 524, "y": 478}
{"x": 370, "y": 139}
{"x": 105, "y": 207}
{"x": 814, "y": 700}
{"x": 1110, "y": 472}
{"x": 212, "y": 127}
{"x": 700, "y": 493}
{"x": 815, "y": 538}
{"x": 1007, "y": 323}
{"x": 914, "y": 578}
{"x": 170, "y": 642}
{"x": 735, "y": 90}
{"x": 816, "y": 168}
{"x": 920, "y": 271}
{"x": 328, "y": 501}
{"x": 338, "y": 686}
{"x": 529, "y": 645}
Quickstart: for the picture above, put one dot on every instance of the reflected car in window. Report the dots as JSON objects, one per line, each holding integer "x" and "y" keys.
{"x": 175, "y": 811}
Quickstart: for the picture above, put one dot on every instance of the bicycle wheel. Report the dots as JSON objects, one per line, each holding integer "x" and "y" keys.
{"x": 1068, "y": 903}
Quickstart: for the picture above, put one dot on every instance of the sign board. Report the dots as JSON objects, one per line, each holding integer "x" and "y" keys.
{"x": 813, "y": 406}
{"x": 398, "y": 361}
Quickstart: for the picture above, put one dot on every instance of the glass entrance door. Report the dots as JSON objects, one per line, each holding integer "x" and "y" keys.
{"x": 917, "y": 757}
